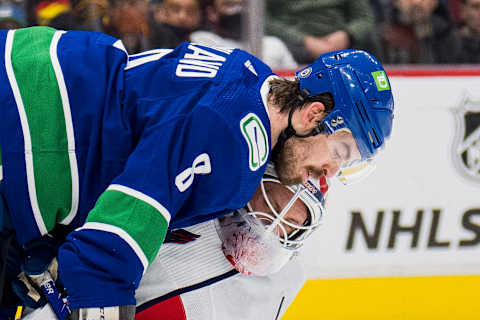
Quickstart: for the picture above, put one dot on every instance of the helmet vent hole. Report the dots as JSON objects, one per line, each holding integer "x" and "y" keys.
{"x": 364, "y": 110}
{"x": 338, "y": 56}
{"x": 370, "y": 137}
{"x": 360, "y": 112}
{"x": 377, "y": 139}
{"x": 374, "y": 140}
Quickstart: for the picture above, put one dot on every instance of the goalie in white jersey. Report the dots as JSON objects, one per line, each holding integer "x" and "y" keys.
{"x": 200, "y": 273}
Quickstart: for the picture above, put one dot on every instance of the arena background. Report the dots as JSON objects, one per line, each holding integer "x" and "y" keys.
{"x": 405, "y": 243}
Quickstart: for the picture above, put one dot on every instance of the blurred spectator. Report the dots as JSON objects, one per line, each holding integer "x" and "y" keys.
{"x": 11, "y": 17}
{"x": 455, "y": 7}
{"x": 47, "y": 10}
{"x": 469, "y": 33}
{"x": 68, "y": 14}
{"x": 224, "y": 18}
{"x": 310, "y": 28}
{"x": 91, "y": 14}
{"x": 174, "y": 20}
{"x": 418, "y": 31}
{"x": 128, "y": 21}
{"x": 56, "y": 14}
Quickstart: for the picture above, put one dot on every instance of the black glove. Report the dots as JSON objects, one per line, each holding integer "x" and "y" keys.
{"x": 38, "y": 262}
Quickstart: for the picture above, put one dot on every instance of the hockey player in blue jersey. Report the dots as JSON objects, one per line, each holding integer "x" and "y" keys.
{"x": 120, "y": 148}
{"x": 192, "y": 276}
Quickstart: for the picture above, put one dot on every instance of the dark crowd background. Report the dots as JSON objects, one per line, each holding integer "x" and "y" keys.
{"x": 296, "y": 32}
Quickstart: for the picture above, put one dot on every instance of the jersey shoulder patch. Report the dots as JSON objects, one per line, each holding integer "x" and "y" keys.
{"x": 255, "y": 135}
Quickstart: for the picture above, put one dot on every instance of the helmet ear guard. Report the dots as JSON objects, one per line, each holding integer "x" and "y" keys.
{"x": 361, "y": 92}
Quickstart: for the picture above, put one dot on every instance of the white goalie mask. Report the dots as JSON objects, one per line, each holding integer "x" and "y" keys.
{"x": 312, "y": 194}
{"x": 262, "y": 242}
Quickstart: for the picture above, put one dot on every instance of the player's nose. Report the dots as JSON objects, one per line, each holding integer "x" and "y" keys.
{"x": 331, "y": 168}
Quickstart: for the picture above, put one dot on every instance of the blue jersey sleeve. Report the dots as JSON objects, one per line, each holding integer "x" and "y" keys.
{"x": 55, "y": 86}
{"x": 124, "y": 147}
{"x": 188, "y": 157}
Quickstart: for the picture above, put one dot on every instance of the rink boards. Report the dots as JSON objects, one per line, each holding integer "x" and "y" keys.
{"x": 405, "y": 242}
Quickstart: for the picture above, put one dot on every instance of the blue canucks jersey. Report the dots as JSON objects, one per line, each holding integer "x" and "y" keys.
{"x": 124, "y": 147}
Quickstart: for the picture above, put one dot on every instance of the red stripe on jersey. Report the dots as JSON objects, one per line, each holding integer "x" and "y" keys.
{"x": 171, "y": 309}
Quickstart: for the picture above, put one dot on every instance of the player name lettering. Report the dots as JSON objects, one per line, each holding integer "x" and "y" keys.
{"x": 201, "y": 62}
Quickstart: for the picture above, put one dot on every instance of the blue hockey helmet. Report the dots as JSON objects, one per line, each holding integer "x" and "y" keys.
{"x": 363, "y": 101}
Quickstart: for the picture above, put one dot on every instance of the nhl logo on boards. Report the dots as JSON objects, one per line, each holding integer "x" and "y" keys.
{"x": 466, "y": 146}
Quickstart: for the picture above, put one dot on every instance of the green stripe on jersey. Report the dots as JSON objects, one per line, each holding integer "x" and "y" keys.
{"x": 143, "y": 222}
{"x": 45, "y": 123}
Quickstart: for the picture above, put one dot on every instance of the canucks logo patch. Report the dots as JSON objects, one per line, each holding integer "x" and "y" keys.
{"x": 466, "y": 148}
{"x": 257, "y": 140}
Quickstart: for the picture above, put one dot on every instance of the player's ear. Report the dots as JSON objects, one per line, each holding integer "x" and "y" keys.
{"x": 313, "y": 113}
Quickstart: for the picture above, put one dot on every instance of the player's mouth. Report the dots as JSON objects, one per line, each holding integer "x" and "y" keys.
{"x": 307, "y": 174}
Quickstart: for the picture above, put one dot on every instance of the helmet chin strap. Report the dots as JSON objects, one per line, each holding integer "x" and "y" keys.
{"x": 289, "y": 131}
